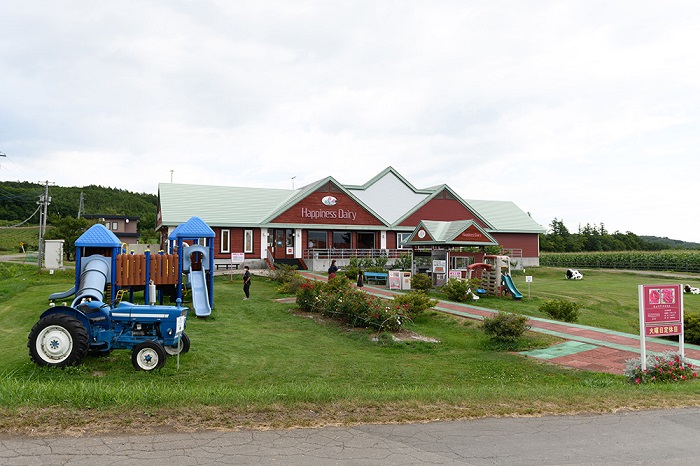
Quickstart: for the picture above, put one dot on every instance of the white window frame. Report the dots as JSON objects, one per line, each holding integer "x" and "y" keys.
{"x": 248, "y": 241}
{"x": 225, "y": 241}
{"x": 400, "y": 238}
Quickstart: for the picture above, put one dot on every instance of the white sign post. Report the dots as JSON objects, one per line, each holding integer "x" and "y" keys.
{"x": 528, "y": 280}
{"x": 660, "y": 314}
{"x": 237, "y": 258}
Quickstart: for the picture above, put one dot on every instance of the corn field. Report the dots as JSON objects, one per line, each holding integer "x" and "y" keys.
{"x": 675, "y": 261}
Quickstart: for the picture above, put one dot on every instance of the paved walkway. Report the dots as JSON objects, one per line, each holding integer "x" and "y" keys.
{"x": 622, "y": 438}
{"x": 584, "y": 347}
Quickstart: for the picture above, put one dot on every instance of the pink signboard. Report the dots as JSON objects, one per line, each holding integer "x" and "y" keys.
{"x": 662, "y": 309}
{"x": 660, "y": 314}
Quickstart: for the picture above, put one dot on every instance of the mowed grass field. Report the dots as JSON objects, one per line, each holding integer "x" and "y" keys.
{"x": 260, "y": 363}
{"x": 608, "y": 298}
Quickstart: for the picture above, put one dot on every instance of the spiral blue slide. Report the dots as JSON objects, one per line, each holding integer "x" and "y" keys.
{"x": 508, "y": 282}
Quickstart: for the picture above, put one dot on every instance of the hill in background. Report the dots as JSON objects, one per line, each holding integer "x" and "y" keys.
{"x": 671, "y": 243}
{"x": 18, "y": 202}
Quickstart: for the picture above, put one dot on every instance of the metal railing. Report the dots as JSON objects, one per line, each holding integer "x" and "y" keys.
{"x": 348, "y": 253}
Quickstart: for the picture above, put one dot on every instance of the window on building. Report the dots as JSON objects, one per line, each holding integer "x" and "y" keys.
{"x": 248, "y": 241}
{"x": 460, "y": 262}
{"x": 115, "y": 226}
{"x": 341, "y": 240}
{"x": 400, "y": 239}
{"x": 318, "y": 239}
{"x": 365, "y": 240}
{"x": 225, "y": 241}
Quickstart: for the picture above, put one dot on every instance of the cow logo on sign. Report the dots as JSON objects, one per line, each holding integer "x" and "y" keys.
{"x": 329, "y": 200}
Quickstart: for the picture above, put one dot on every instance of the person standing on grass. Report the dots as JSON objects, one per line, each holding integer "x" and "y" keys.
{"x": 246, "y": 282}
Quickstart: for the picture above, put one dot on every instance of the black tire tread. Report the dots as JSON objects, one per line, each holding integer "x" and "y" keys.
{"x": 81, "y": 342}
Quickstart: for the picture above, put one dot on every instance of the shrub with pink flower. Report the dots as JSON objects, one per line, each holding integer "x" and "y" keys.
{"x": 664, "y": 367}
{"x": 356, "y": 308}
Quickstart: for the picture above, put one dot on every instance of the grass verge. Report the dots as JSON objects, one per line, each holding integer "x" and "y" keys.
{"x": 261, "y": 364}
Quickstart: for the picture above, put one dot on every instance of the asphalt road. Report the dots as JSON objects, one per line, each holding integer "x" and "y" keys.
{"x": 645, "y": 437}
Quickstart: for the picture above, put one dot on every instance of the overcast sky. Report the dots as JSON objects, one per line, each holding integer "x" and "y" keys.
{"x": 587, "y": 111}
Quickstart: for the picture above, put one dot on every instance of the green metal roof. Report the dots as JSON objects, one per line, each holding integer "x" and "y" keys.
{"x": 445, "y": 233}
{"x": 227, "y": 206}
{"x": 221, "y": 206}
{"x": 506, "y": 217}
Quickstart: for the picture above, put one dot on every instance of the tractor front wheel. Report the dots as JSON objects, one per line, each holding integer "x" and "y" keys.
{"x": 58, "y": 340}
{"x": 182, "y": 346}
{"x": 148, "y": 356}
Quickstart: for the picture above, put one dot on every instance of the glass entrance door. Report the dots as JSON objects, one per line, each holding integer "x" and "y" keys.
{"x": 284, "y": 244}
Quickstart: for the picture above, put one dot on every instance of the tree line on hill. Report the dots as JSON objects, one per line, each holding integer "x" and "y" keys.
{"x": 19, "y": 203}
{"x": 595, "y": 238}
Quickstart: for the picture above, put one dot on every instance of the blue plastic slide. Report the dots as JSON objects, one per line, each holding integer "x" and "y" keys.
{"x": 508, "y": 282}
{"x": 63, "y": 295}
{"x": 200, "y": 296}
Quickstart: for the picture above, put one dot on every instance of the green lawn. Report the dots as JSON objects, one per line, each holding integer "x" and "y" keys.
{"x": 260, "y": 363}
{"x": 10, "y": 239}
{"x": 608, "y": 299}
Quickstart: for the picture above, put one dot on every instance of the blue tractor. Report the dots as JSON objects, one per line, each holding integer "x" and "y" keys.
{"x": 64, "y": 335}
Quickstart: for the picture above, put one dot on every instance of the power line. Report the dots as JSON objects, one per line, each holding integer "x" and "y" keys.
{"x": 5, "y": 168}
{"x": 28, "y": 219}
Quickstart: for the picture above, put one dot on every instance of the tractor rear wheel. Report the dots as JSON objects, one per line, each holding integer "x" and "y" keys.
{"x": 148, "y": 356}
{"x": 182, "y": 346}
{"x": 58, "y": 340}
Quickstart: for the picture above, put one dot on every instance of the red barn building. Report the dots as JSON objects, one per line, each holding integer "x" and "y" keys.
{"x": 328, "y": 220}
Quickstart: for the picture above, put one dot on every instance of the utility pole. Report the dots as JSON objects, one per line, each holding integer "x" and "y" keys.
{"x": 44, "y": 201}
{"x": 81, "y": 206}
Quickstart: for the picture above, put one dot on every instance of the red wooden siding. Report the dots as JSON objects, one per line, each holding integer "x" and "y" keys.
{"x": 236, "y": 236}
{"x": 472, "y": 234}
{"x": 441, "y": 210}
{"x": 528, "y": 242}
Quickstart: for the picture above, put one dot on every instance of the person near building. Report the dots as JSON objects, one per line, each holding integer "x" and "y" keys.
{"x": 246, "y": 282}
{"x": 332, "y": 269}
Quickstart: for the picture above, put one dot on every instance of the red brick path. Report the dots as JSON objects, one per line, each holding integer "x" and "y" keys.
{"x": 611, "y": 349}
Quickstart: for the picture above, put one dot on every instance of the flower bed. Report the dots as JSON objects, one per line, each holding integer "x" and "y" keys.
{"x": 357, "y": 308}
{"x": 665, "y": 367}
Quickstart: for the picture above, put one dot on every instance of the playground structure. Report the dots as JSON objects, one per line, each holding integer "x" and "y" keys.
{"x": 158, "y": 274}
{"x": 494, "y": 273}
{"x": 98, "y": 320}
{"x": 196, "y": 262}
{"x": 64, "y": 334}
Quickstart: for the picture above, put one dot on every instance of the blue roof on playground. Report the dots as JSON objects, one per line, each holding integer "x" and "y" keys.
{"x": 194, "y": 228}
{"x": 98, "y": 236}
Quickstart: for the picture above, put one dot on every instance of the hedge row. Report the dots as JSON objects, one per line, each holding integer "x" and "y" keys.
{"x": 677, "y": 261}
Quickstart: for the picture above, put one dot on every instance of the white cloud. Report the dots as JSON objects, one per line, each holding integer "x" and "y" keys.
{"x": 581, "y": 110}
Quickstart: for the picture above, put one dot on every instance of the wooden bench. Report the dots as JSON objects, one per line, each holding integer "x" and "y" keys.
{"x": 226, "y": 266}
{"x": 376, "y": 277}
